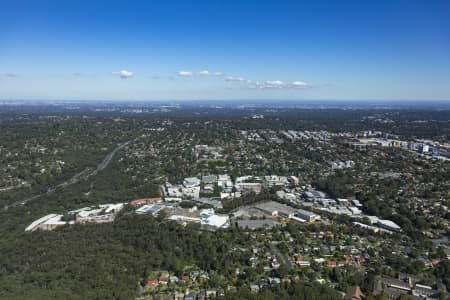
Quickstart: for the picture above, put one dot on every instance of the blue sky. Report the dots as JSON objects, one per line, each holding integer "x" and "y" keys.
{"x": 161, "y": 50}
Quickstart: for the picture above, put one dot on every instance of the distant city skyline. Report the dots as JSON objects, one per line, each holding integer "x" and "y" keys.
{"x": 207, "y": 50}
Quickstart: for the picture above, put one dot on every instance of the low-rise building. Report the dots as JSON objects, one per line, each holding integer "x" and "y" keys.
{"x": 249, "y": 187}
{"x": 389, "y": 225}
{"x": 209, "y": 179}
{"x": 102, "y": 214}
{"x": 153, "y": 209}
{"x": 48, "y": 222}
{"x": 143, "y": 201}
{"x": 223, "y": 179}
{"x": 274, "y": 180}
{"x": 191, "y": 192}
{"x": 305, "y": 216}
{"x": 256, "y": 224}
{"x": 273, "y": 208}
{"x": 211, "y": 202}
{"x": 208, "y": 217}
{"x": 191, "y": 182}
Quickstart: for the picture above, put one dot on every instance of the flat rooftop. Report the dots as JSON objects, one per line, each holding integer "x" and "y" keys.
{"x": 273, "y": 206}
{"x": 254, "y": 224}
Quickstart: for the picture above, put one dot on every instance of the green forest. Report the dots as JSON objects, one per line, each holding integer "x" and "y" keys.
{"x": 109, "y": 261}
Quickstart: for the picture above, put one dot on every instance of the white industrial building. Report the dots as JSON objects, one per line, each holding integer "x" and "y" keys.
{"x": 276, "y": 209}
{"x": 191, "y": 182}
{"x": 191, "y": 192}
{"x": 153, "y": 209}
{"x": 274, "y": 180}
{"x": 389, "y": 225}
{"x": 249, "y": 187}
{"x": 48, "y": 222}
{"x": 305, "y": 216}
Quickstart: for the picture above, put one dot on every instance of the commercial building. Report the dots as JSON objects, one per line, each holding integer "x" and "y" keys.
{"x": 52, "y": 223}
{"x": 208, "y": 188}
{"x": 153, "y": 209}
{"x": 256, "y": 224}
{"x": 48, "y": 222}
{"x": 249, "y": 187}
{"x": 276, "y": 209}
{"x": 191, "y": 192}
{"x": 274, "y": 180}
{"x": 191, "y": 182}
{"x": 223, "y": 180}
{"x": 286, "y": 196}
{"x": 389, "y": 225}
{"x": 172, "y": 191}
{"x": 305, "y": 216}
{"x": 206, "y": 217}
{"x": 357, "y": 203}
{"x": 355, "y": 210}
{"x": 247, "y": 212}
{"x": 143, "y": 201}
{"x": 424, "y": 148}
{"x": 102, "y": 214}
{"x": 343, "y": 202}
{"x": 209, "y": 179}
{"x": 327, "y": 202}
{"x": 93, "y": 216}
{"x": 214, "y": 220}
{"x": 183, "y": 219}
{"x": 212, "y": 202}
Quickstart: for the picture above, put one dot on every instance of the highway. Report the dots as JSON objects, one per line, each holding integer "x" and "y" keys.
{"x": 83, "y": 175}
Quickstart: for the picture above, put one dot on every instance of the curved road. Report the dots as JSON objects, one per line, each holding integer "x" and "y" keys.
{"x": 85, "y": 174}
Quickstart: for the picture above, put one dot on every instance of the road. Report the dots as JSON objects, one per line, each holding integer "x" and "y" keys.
{"x": 83, "y": 175}
{"x": 284, "y": 257}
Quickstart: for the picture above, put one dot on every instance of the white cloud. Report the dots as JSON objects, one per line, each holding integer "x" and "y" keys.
{"x": 123, "y": 74}
{"x": 255, "y": 84}
{"x": 208, "y": 73}
{"x": 185, "y": 73}
{"x": 231, "y": 78}
{"x": 274, "y": 84}
{"x": 299, "y": 84}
